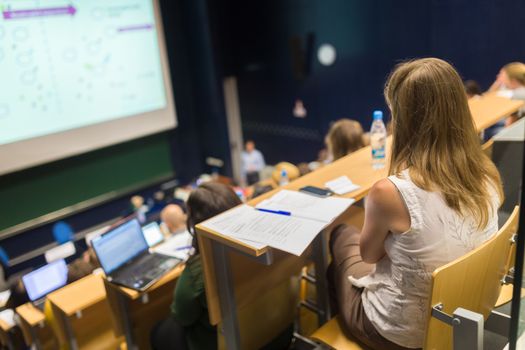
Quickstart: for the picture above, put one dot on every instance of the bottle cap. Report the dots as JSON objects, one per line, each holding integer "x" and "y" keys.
{"x": 284, "y": 173}
{"x": 378, "y": 115}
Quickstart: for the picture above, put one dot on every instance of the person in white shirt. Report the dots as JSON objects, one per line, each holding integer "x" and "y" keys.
{"x": 439, "y": 203}
{"x": 252, "y": 163}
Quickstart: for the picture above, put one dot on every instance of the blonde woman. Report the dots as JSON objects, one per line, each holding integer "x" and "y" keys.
{"x": 344, "y": 137}
{"x": 511, "y": 80}
{"x": 439, "y": 202}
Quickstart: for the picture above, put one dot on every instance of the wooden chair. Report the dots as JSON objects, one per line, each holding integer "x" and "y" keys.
{"x": 36, "y": 330}
{"x": 81, "y": 316}
{"x": 487, "y": 147}
{"x": 472, "y": 282}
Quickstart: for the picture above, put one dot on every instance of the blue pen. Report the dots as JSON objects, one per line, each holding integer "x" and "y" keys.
{"x": 280, "y": 212}
{"x": 183, "y": 248}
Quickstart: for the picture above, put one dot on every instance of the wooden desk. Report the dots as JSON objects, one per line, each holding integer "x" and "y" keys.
{"x": 35, "y": 328}
{"x": 77, "y": 308}
{"x": 490, "y": 108}
{"x": 134, "y": 313}
{"x": 5, "y": 335}
{"x": 222, "y": 255}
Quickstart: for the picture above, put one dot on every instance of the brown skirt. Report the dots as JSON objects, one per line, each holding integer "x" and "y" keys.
{"x": 345, "y": 298}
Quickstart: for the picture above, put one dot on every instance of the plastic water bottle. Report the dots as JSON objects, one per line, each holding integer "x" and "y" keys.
{"x": 284, "y": 178}
{"x": 378, "y": 141}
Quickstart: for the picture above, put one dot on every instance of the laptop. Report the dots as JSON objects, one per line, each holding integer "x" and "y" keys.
{"x": 124, "y": 256}
{"x": 42, "y": 281}
{"x": 152, "y": 234}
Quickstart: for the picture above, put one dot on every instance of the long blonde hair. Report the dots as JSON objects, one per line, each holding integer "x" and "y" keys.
{"x": 344, "y": 137}
{"x": 435, "y": 138}
{"x": 516, "y": 71}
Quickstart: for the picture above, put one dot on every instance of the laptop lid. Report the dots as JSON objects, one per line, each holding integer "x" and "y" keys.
{"x": 152, "y": 233}
{"x": 119, "y": 245}
{"x": 46, "y": 279}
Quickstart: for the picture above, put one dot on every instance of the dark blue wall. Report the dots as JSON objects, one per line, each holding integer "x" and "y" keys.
{"x": 370, "y": 36}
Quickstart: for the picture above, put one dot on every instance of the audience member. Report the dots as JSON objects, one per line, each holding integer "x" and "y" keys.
{"x": 174, "y": 218}
{"x": 189, "y": 326}
{"x": 472, "y": 89}
{"x": 344, "y": 137}
{"x": 439, "y": 202}
{"x": 511, "y": 78}
{"x": 252, "y": 163}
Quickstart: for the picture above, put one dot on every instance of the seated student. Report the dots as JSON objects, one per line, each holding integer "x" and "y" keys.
{"x": 344, "y": 137}
{"x": 174, "y": 218}
{"x": 439, "y": 202}
{"x": 512, "y": 78}
{"x": 472, "y": 89}
{"x": 189, "y": 326}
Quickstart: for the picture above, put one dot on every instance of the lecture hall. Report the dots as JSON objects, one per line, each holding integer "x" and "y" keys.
{"x": 277, "y": 175}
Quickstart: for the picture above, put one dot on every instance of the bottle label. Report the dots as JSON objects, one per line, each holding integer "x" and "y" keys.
{"x": 378, "y": 153}
{"x": 377, "y": 142}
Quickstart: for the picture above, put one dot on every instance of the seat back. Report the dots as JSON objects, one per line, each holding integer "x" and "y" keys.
{"x": 487, "y": 147}
{"x": 472, "y": 282}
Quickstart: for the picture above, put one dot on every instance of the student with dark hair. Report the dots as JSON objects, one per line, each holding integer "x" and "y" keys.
{"x": 472, "y": 88}
{"x": 189, "y": 326}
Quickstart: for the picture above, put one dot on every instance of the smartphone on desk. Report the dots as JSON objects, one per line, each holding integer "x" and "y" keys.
{"x": 316, "y": 191}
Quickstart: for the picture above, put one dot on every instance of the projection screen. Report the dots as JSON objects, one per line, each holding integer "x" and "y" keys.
{"x": 79, "y": 75}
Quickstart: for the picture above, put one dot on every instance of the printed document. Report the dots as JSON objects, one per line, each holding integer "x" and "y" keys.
{"x": 292, "y": 233}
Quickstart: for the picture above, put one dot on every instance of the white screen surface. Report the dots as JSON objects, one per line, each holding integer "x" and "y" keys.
{"x": 79, "y": 75}
{"x": 45, "y": 280}
{"x": 152, "y": 234}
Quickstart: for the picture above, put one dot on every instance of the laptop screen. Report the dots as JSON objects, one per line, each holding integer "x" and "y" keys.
{"x": 46, "y": 279}
{"x": 119, "y": 245}
{"x": 152, "y": 233}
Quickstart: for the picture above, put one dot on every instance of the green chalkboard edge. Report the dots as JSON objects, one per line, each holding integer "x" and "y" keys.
{"x": 82, "y": 206}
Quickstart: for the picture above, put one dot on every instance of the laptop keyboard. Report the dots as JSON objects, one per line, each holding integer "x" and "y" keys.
{"x": 146, "y": 270}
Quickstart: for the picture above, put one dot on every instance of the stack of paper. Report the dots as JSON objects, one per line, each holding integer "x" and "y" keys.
{"x": 8, "y": 316}
{"x": 290, "y": 223}
{"x": 177, "y": 246}
{"x": 341, "y": 185}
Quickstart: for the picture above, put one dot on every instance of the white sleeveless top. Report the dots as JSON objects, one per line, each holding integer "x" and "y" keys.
{"x": 396, "y": 294}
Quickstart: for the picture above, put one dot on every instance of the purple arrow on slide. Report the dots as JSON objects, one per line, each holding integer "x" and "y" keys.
{"x": 43, "y": 12}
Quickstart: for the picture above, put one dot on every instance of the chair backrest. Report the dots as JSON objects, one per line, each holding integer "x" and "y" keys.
{"x": 472, "y": 282}
{"x": 487, "y": 147}
{"x": 62, "y": 232}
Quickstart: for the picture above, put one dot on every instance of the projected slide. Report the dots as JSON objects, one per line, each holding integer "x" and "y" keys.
{"x": 69, "y": 64}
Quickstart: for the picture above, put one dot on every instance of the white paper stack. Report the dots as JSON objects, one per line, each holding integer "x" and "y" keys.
{"x": 177, "y": 246}
{"x": 290, "y": 223}
{"x": 342, "y": 185}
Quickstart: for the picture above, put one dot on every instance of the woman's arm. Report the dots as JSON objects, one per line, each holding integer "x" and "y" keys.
{"x": 385, "y": 211}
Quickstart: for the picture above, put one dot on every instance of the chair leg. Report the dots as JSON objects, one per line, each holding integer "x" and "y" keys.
{"x": 498, "y": 323}
{"x": 467, "y": 329}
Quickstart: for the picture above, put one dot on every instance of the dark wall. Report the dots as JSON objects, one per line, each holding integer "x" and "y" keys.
{"x": 197, "y": 86}
{"x": 370, "y": 38}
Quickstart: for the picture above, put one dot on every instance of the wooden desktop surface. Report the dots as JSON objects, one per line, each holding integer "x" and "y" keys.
{"x": 79, "y": 295}
{"x": 30, "y": 314}
{"x": 490, "y": 108}
{"x": 5, "y": 326}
